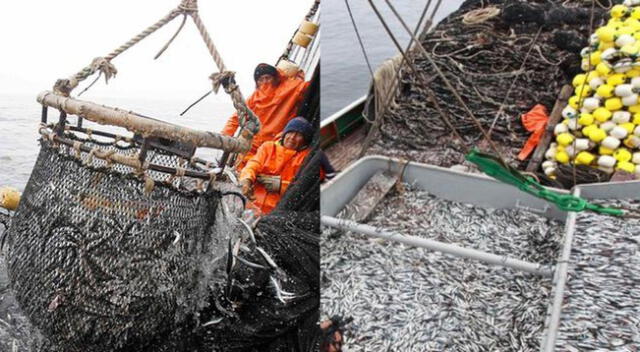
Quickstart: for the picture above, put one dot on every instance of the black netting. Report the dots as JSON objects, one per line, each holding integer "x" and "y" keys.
{"x": 482, "y": 61}
{"x": 98, "y": 265}
{"x": 261, "y": 322}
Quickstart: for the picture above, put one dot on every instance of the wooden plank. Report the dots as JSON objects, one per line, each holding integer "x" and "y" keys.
{"x": 362, "y": 205}
{"x": 554, "y": 118}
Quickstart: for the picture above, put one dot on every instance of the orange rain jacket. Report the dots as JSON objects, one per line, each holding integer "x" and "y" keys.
{"x": 274, "y": 106}
{"x": 272, "y": 159}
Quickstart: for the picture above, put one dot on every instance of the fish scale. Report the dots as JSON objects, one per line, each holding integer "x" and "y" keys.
{"x": 462, "y": 305}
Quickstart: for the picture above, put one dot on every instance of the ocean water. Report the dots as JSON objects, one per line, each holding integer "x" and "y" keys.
{"x": 20, "y": 117}
{"x": 345, "y": 76}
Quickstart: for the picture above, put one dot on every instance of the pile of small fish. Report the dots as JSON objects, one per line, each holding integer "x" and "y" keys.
{"x": 601, "y": 309}
{"x": 411, "y": 299}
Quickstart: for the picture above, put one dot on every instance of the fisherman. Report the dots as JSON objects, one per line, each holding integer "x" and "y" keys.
{"x": 275, "y": 102}
{"x": 269, "y": 172}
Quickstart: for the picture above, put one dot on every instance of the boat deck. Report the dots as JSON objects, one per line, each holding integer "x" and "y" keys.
{"x": 346, "y": 151}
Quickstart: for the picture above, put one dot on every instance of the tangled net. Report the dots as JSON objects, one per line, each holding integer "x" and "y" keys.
{"x": 481, "y": 60}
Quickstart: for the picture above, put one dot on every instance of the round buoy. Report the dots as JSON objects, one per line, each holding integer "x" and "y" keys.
{"x": 309, "y": 28}
{"x": 301, "y": 39}
{"x": 9, "y": 198}
{"x": 289, "y": 68}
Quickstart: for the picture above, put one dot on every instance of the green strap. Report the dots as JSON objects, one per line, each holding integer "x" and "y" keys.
{"x": 495, "y": 168}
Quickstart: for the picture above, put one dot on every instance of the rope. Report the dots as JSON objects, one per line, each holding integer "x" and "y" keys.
{"x": 135, "y": 40}
{"x": 382, "y": 105}
{"x": 76, "y": 148}
{"x": 418, "y": 74}
{"x": 355, "y": 28}
{"x": 442, "y": 76}
{"x": 65, "y": 86}
{"x": 184, "y": 20}
{"x": 313, "y": 10}
{"x": 513, "y": 82}
{"x": 480, "y": 15}
{"x": 580, "y": 101}
{"x": 244, "y": 113}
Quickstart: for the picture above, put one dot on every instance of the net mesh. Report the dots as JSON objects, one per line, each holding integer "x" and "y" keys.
{"x": 485, "y": 62}
{"x": 98, "y": 264}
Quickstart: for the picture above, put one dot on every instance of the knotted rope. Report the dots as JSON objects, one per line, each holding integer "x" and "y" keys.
{"x": 65, "y": 86}
{"x": 250, "y": 124}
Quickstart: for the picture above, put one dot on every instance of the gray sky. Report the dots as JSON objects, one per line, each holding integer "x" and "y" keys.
{"x": 43, "y": 40}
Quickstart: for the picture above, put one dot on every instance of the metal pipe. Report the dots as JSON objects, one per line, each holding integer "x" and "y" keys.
{"x": 447, "y": 248}
{"x": 560, "y": 279}
{"x": 445, "y": 80}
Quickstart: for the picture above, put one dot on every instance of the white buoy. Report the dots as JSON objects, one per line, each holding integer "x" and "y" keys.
{"x": 608, "y": 53}
{"x": 625, "y": 39}
{"x": 551, "y": 153}
{"x": 573, "y": 124}
{"x": 547, "y": 164}
{"x": 636, "y": 158}
{"x": 623, "y": 90}
{"x": 569, "y": 112}
{"x": 591, "y": 103}
{"x": 596, "y": 82}
{"x": 622, "y": 67}
{"x": 621, "y": 117}
{"x": 606, "y": 161}
{"x": 607, "y": 126}
{"x": 618, "y": 132}
{"x": 611, "y": 142}
{"x": 560, "y": 128}
{"x": 582, "y": 144}
{"x": 630, "y": 100}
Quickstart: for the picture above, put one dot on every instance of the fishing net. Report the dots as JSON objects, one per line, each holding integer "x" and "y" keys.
{"x": 482, "y": 60}
{"x": 99, "y": 260}
{"x": 266, "y": 317}
{"x": 274, "y": 307}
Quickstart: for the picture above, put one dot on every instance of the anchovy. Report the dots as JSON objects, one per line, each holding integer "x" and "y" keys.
{"x": 426, "y": 301}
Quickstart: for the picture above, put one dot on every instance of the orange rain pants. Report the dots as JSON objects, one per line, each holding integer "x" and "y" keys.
{"x": 272, "y": 159}
{"x": 534, "y": 121}
{"x": 274, "y": 107}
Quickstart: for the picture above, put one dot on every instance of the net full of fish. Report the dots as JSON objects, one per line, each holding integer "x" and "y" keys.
{"x": 601, "y": 309}
{"x": 411, "y": 299}
{"x": 97, "y": 263}
{"x": 103, "y": 265}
